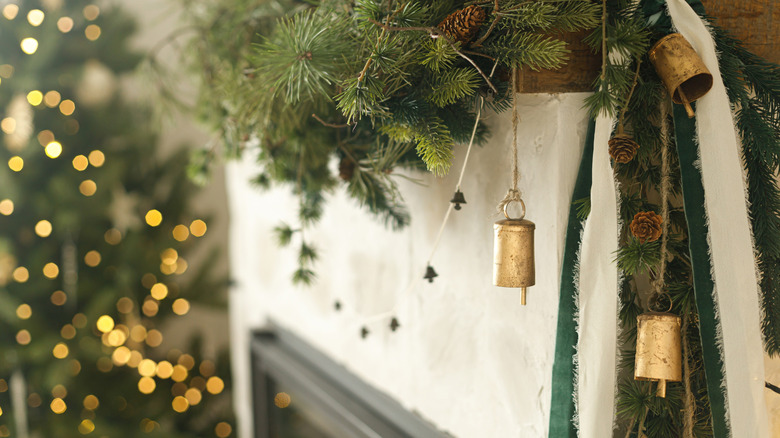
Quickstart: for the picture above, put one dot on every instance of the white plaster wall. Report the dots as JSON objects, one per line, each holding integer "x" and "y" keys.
{"x": 468, "y": 357}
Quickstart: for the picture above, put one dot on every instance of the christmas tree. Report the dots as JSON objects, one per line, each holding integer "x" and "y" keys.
{"x": 95, "y": 235}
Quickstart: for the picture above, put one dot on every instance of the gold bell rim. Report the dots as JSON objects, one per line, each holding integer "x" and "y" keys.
{"x": 662, "y": 40}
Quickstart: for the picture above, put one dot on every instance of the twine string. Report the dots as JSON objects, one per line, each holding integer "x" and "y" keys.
{"x": 513, "y": 194}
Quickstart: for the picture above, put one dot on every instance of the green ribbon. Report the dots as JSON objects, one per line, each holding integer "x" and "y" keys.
{"x": 695, "y": 214}
{"x": 562, "y": 402}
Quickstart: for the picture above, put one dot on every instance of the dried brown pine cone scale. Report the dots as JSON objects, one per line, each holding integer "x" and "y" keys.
{"x": 463, "y": 24}
{"x": 622, "y": 148}
{"x": 646, "y": 226}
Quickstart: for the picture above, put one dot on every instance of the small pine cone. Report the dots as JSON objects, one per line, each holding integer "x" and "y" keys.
{"x": 463, "y": 24}
{"x": 622, "y": 148}
{"x": 646, "y": 226}
{"x": 346, "y": 168}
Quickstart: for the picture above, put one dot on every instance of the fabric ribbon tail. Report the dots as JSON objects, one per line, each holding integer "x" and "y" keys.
{"x": 598, "y": 296}
{"x": 721, "y": 244}
{"x": 562, "y": 409}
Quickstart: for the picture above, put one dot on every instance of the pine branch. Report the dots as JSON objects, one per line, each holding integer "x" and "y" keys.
{"x": 298, "y": 59}
{"x": 453, "y": 85}
{"x": 528, "y": 49}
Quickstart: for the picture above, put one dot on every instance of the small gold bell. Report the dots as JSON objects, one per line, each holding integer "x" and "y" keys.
{"x": 513, "y": 253}
{"x": 658, "y": 349}
{"x": 681, "y": 69}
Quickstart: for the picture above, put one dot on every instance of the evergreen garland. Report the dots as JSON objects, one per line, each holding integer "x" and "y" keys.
{"x": 381, "y": 84}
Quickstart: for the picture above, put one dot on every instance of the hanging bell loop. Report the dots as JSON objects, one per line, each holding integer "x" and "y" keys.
{"x": 458, "y": 199}
{"x": 681, "y": 69}
{"x": 658, "y": 349}
{"x": 513, "y": 253}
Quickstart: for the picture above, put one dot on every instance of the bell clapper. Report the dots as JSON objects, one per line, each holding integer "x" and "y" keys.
{"x": 661, "y": 391}
{"x": 522, "y": 295}
{"x": 686, "y": 104}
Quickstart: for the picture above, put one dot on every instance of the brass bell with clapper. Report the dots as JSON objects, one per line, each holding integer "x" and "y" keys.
{"x": 658, "y": 349}
{"x": 681, "y": 69}
{"x": 513, "y": 252}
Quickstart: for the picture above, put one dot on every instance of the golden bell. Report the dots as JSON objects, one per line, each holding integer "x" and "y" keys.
{"x": 513, "y": 254}
{"x": 658, "y": 349}
{"x": 681, "y": 69}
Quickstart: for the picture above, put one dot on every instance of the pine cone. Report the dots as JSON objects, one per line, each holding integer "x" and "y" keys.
{"x": 622, "y": 148}
{"x": 646, "y": 226}
{"x": 463, "y": 24}
{"x": 346, "y": 169}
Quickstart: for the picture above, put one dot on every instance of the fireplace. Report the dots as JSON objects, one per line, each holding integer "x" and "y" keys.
{"x": 299, "y": 392}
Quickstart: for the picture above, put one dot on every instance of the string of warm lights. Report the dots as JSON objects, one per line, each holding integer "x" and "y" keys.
{"x": 128, "y": 338}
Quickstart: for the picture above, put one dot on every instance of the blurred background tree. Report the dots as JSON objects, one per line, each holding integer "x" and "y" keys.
{"x": 95, "y": 236}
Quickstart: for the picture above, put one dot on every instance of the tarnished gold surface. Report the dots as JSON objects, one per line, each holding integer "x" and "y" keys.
{"x": 680, "y": 68}
{"x": 658, "y": 349}
{"x": 513, "y": 254}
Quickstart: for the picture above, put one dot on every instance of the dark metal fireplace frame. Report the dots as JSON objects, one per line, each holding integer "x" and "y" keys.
{"x": 349, "y": 405}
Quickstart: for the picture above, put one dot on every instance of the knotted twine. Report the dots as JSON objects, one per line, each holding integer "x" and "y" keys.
{"x": 513, "y": 194}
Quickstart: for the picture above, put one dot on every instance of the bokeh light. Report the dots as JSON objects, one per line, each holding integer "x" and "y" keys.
{"x": 43, "y": 228}
{"x": 52, "y": 98}
{"x": 92, "y": 258}
{"x": 153, "y": 217}
{"x": 88, "y": 187}
{"x": 181, "y": 306}
{"x": 97, "y": 158}
{"x": 86, "y": 426}
{"x": 193, "y": 396}
{"x": 68, "y": 331}
{"x": 180, "y": 404}
{"x": 79, "y": 320}
{"x": 60, "y": 351}
{"x": 58, "y": 298}
{"x": 35, "y": 17}
{"x": 23, "y": 337}
{"x": 282, "y": 400}
{"x": 147, "y": 368}
{"x": 53, "y": 149}
{"x": 125, "y": 305}
{"x": 23, "y": 311}
{"x": 91, "y": 12}
{"x": 6, "y": 207}
{"x": 67, "y": 107}
{"x": 21, "y": 274}
{"x": 51, "y": 270}
{"x": 179, "y": 373}
{"x": 113, "y": 236}
{"x": 159, "y": 291}
{"x": 92, "y": 32}
{"x": 45, "y": 137}
{"x": 198, "y": 228}
{"x": 223, "y": 430}
{"x": 181, "y": 232}
{"x": 58, "y": 406}
{"x": 80, "y": 163}
{"x": 16, "y": 163}
{"x": 35, "y": 97}
{"x": 91, "y": 402}
{"x": 8, "y": 125}
{"x": 65, "y": 24}
{"x": 154, "y": 338}
{"x": 29, "y": 45}
{"x": 164, "y": 369}
{"x": 105, "y": 324}
{"x": 10, "y": 11}
{"x": 215, "y": 385}
{"x": 146, "y": 385}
